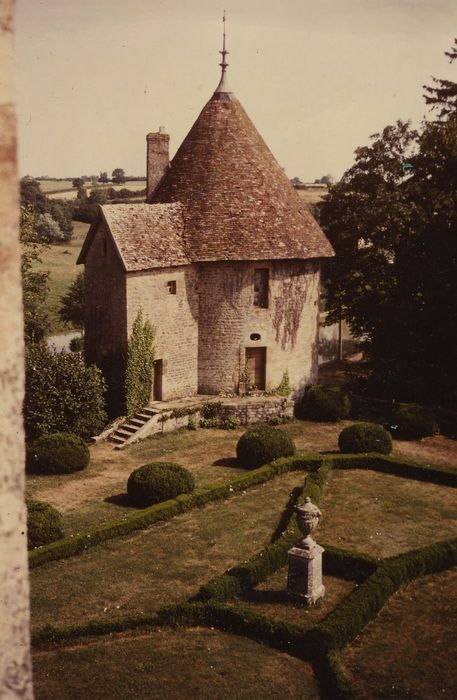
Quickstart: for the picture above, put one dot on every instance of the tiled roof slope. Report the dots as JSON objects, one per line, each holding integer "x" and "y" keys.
{"x": 238, "y": 203}
{"x": 145, "y": 236}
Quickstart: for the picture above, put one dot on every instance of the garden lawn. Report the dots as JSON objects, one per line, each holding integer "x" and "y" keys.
{"x": 409, "y": 650}
{"x": 172, "y": 665}
{"x": 384, "y": 515}
{"x": 208, "y": 453}
{"x": 165, "y": 564}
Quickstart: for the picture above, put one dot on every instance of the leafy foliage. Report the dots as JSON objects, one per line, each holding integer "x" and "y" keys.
{"x": 57, "y": 214}
{"x": 394, "y": 279}
{"x": 35, "y": 287}
{"x": 44, "y": 524}
{"x": 365, "y": 437}
{"x": 325, "y": 403}
{"x": 412, "y": 422}
{"x": 72, "y": 303}
{"x": 157, "y": 482}
{"x": 62, "y": 394}
{"x": 443, "y": 94}
{"x": 118, "y": 175}
{"x": 140, "y": 361}
{"x": 262, "y": 444}
{"x": 57, "y": 453}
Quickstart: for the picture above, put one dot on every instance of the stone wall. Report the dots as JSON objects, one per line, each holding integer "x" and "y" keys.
{"x": 15, "y": 666}
{"x": 105, "y": 299}
{"x": 175, "y": 318}
{"x": 287, "y": 328}
{"x": 258, "y": 410}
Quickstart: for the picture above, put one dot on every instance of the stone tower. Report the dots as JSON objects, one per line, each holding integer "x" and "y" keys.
{"x": 223, "y": 259}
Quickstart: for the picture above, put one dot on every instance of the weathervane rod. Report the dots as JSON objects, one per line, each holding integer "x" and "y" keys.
{"x": 224, "y": 52}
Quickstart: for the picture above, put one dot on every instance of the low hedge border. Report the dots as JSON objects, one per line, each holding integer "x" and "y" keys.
{"x": 166, "y": 510}
{"x": 256, "y": 569}
{"x": 394, "y": 466}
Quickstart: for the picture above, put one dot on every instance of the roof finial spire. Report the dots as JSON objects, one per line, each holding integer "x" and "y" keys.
{"x": 223, "y": 85}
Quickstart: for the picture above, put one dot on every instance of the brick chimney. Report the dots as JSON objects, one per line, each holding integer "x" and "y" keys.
{"x": 157, "y": 159}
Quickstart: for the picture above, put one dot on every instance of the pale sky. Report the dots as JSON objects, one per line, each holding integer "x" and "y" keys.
{"x": 317, "y": 77}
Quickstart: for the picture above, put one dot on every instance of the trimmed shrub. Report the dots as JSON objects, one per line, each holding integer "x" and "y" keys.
{"x": 44, "y": 524}
{"x": 262, "y": 444}
{"x": 325, "y": 403}
{"x": 365, "y": 437}
{"x": 58, "y": 453}
{"x": 411, "y": 421}
{"x": 157, "y": 482}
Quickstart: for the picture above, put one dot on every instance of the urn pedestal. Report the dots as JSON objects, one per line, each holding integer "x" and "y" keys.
{"x": 304, "y": 581}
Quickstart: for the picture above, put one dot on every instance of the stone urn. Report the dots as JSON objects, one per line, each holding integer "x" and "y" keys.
{"x": 304, "y": 581}
{"x": 308, "y": 517}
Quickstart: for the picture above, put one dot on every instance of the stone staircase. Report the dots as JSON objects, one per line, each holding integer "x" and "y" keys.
{"x": 132, "y": 425}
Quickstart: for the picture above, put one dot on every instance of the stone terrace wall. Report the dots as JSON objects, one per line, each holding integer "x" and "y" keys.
{"x": 258, "y": 410}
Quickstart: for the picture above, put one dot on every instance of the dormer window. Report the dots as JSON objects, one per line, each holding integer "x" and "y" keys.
{"x": 261, "y": 279}
{"x": 171, "y": 286}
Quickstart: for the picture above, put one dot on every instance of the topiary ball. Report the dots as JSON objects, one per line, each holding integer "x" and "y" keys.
{"x": 58, "y": 453}
{"x": 44, "y": 524}
{"x": 262, "y": 444}
{"x": 412, "y": 422}
{"x": 158, "y": 481}
{"x": 325, "y": 403}
{"x": 365, "y": 437}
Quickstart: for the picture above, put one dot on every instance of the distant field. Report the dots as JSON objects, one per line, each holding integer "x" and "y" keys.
{"x": 312, "y": 196}
{"x": 63, "y": 189}
{"x": 60, "y": 260}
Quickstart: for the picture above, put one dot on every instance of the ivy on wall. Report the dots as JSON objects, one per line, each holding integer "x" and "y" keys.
{"x": 140, "y": 361}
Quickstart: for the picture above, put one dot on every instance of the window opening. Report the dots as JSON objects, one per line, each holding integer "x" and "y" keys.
{"x": 171, "y": 287}
{"x": 261, "y": 279}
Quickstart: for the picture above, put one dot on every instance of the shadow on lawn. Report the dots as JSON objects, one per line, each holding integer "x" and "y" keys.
{"x": 120, "y": 499}
{"x": 227, "y": 462}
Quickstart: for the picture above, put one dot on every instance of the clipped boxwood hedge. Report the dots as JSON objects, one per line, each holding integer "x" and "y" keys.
{"x": 57, "y": 453}
{"x": 262, "y": 444}
{"x": 158, "y": 481}
{"x": 44, "y": 524}
{"x": 325, "y": 403}
{"x": 365, "y": 437}
{"x": 411, "y": 422}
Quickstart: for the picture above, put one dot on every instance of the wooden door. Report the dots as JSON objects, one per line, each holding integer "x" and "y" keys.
{"x": 157, "y": 384}
{"x": 256, "y": 364}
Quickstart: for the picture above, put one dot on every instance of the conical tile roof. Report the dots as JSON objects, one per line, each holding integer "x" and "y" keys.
{"x": 238, "y": 203}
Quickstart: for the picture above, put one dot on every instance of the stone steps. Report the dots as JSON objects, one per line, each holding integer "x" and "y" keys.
{"x": 132, "y": 425}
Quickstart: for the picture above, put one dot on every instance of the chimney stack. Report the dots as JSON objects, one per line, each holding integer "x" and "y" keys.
{"x": 157, "y": 159}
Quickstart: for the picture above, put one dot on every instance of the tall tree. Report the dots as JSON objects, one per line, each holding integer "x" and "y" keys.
{"x": 118, "y": 176}
{"x": 34, "y": 282}
{"x": 442, "y": 95}
{"x": 71, "y": 310}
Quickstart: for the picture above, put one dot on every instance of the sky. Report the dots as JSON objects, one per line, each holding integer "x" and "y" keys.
{"x": 317, "y": 77}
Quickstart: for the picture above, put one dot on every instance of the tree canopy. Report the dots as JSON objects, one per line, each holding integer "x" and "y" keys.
{"x": 71, "y": 309}
{"x": 392, "y": 220}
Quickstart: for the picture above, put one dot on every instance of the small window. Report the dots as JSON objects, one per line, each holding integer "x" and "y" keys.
{"x": 261, "y": 276}
{"x": 171, "y": 285}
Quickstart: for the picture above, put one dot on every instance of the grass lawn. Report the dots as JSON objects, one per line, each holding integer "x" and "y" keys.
{"x": 67, "y": 191}
{"x": 172, "y": 664}
{"x": 60, "y": 260}
{"x": 384, "y": 515}
{"x": 164, "y": 564}
{"x": 409, "y": 650}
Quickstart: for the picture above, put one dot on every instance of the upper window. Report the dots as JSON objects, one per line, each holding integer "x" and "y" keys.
{"x": 261, "y": 277}
{"x": 171, "y": 287}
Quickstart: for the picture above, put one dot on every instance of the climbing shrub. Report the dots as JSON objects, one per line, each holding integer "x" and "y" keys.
{"x": 262, "y": 444}
{"x": 365, "y": 437}
{"x": 157, "y": 482}
{"x": 325, "y": 403}
{"x": 411, "y": 421}
{"x": 44, "y": 524}
{"x": 58, "y": 453}
{"x": 139, "y": 368}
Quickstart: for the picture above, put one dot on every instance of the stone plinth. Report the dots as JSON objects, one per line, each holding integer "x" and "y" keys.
{"x": 304, "y": 580}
